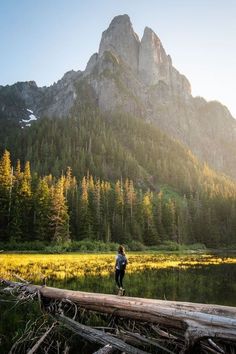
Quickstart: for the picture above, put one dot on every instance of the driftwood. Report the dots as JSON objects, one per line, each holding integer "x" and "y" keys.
{"x": 40, "y": 341}
{"x": 169, "y": 320}
{"x": 147, "y": 341}
{"x": 107, "y": 349}
{"x": 96, "y": 336}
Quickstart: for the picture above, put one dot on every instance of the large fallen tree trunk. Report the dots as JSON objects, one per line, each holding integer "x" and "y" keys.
{"x": 196, "y": 321}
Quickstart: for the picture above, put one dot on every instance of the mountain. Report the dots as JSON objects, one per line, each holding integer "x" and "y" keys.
{"x": 135, "y": 139}
{"x": 127, "y": 76}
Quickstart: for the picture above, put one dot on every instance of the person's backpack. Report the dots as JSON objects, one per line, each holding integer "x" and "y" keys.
{"x": 121, "y": 262}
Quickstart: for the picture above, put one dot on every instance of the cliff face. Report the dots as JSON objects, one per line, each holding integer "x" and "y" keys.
{"x": 137, "y": 77}
{"x": 22, "y": 98}
{"x": 144, "y": 62}
{"x": 120, "y": 39}
{"x": 155, "y": 65}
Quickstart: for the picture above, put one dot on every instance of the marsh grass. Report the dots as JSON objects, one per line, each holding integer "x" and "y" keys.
{"x": 34, "y": 267}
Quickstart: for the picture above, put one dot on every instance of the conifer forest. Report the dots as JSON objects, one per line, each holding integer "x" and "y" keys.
{"x": 88, "y": 178}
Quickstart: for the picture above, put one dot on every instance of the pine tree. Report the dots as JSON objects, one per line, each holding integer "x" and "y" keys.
{"x": 72, "y": 198}
{"x": 85, "y": 222}
{"x": 150, "y": 236}
{"x": 118, "y": 220}
{"x": 98, "y": 222}
{"x": 6, "y": 183}
{"x": 59, "y": 218}
{"x": 169, "y": 220}
{"x": 107, "y": 205}
{"x": 15, "y": 227}
{"x": 158, "y": 215}
{"x": 26, "y": 202}
{"x": 42, "y": 211}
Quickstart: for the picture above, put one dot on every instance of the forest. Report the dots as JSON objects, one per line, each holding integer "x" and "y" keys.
{"x": 63, "y": 209}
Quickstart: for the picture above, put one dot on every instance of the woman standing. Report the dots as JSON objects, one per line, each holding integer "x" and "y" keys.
{"x": 120, "y": 266}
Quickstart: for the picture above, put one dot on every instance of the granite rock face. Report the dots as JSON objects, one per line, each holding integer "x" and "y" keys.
{"x": 154, "y": 64}
{"x": 53, "y": 101}
{"x": 138, "y": 78}
{"x": 125, "y": 68}
{"x": 121, "y": 39}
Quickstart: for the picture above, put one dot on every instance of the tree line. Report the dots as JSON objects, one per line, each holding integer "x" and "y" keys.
{"x": 59, "y": 209}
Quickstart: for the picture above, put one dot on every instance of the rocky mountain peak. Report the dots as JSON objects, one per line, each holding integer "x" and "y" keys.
{"x": 154, "y": 64}
{"x": 146, "y": 59}
{"x": 121, "y": 20}
{"x": 121, "y": 39}
{"x": 135, "y": 77}
{"x": 151, "y": 40}
{"x": 150, "y": 35}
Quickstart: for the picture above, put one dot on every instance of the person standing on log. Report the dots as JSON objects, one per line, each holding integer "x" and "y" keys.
{"x": 120, "y": 266}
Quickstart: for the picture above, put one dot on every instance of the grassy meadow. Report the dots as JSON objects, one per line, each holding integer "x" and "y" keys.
{"x": 34, "y": 267}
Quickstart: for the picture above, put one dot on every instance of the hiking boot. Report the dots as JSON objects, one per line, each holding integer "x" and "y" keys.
{"x": 123, "y": 292}
{"x": 120, "y": 292}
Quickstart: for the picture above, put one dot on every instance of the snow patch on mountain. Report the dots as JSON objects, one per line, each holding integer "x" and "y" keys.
{"x": 27, "y": 122}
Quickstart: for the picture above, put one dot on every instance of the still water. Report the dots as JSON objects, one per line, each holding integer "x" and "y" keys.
{"x": 215, "y": 284}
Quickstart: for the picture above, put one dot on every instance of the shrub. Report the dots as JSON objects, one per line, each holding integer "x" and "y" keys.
{"x": 168, "y": 246}
{"x": 197, "y": 246}
{"x": 135, "y": 246}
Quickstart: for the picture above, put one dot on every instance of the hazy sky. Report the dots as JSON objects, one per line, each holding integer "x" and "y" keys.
{"x": 42, "y": 39}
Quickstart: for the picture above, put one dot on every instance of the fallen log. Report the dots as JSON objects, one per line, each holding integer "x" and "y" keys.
{"x": 149, "y": 342}
{"x": 96, "y": 336}
{"x": 107, "y": 349}
{"x": 39, "y": 342}
{"x": 196, "y": 321}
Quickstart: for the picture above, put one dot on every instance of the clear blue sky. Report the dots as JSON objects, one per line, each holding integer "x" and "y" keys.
{"x": 42, "y": 39}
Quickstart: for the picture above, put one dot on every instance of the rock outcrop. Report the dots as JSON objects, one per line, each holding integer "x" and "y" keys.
{"x": 53, "y": 101}
{"x": 136, "y": 77}
{"x": 154, "y": 64}
{"x": 121, "y": 40}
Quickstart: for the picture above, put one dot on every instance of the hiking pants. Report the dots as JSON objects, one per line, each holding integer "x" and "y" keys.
{"x": 119, "y": 275}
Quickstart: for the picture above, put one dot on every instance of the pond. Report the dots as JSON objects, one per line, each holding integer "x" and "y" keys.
{"x": 203, "y": 278}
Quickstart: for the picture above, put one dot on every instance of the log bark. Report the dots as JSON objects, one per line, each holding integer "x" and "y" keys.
{"x": 96, "y": 336}
{"x": 107, "y": 349}
{"x": 149, "y": 342}
{"x": 196, "y": 320}
{"x": 40, "y": 341}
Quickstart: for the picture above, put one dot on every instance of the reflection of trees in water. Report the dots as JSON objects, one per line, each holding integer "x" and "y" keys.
{"x": 207, "y": 284}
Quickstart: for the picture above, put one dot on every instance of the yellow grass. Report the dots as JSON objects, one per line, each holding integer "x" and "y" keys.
{"x": 64, "y": 266}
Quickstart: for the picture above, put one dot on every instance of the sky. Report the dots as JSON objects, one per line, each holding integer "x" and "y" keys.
{"x": 40, "y": 40}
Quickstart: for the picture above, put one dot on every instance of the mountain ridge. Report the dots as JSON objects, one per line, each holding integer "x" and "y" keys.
{"x": 136, "y": 77}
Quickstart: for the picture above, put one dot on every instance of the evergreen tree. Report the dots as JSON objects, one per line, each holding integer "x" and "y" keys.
{"x": 26, "y": 202}
{"x": 59, "y": 218}
{"x": 42, "y": 204}
{"x": 169, "y": 220}
{"x": 6, "y": 183}
{"x": 85, "y": 222}
{"x": 46, "y": 208}
{"x": 15, "y": 227}
{"x": 158, "y": 216}
{"x": 150, "y": 236}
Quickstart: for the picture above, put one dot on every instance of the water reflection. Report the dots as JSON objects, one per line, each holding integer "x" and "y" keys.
{"x": 214, "y": 284}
